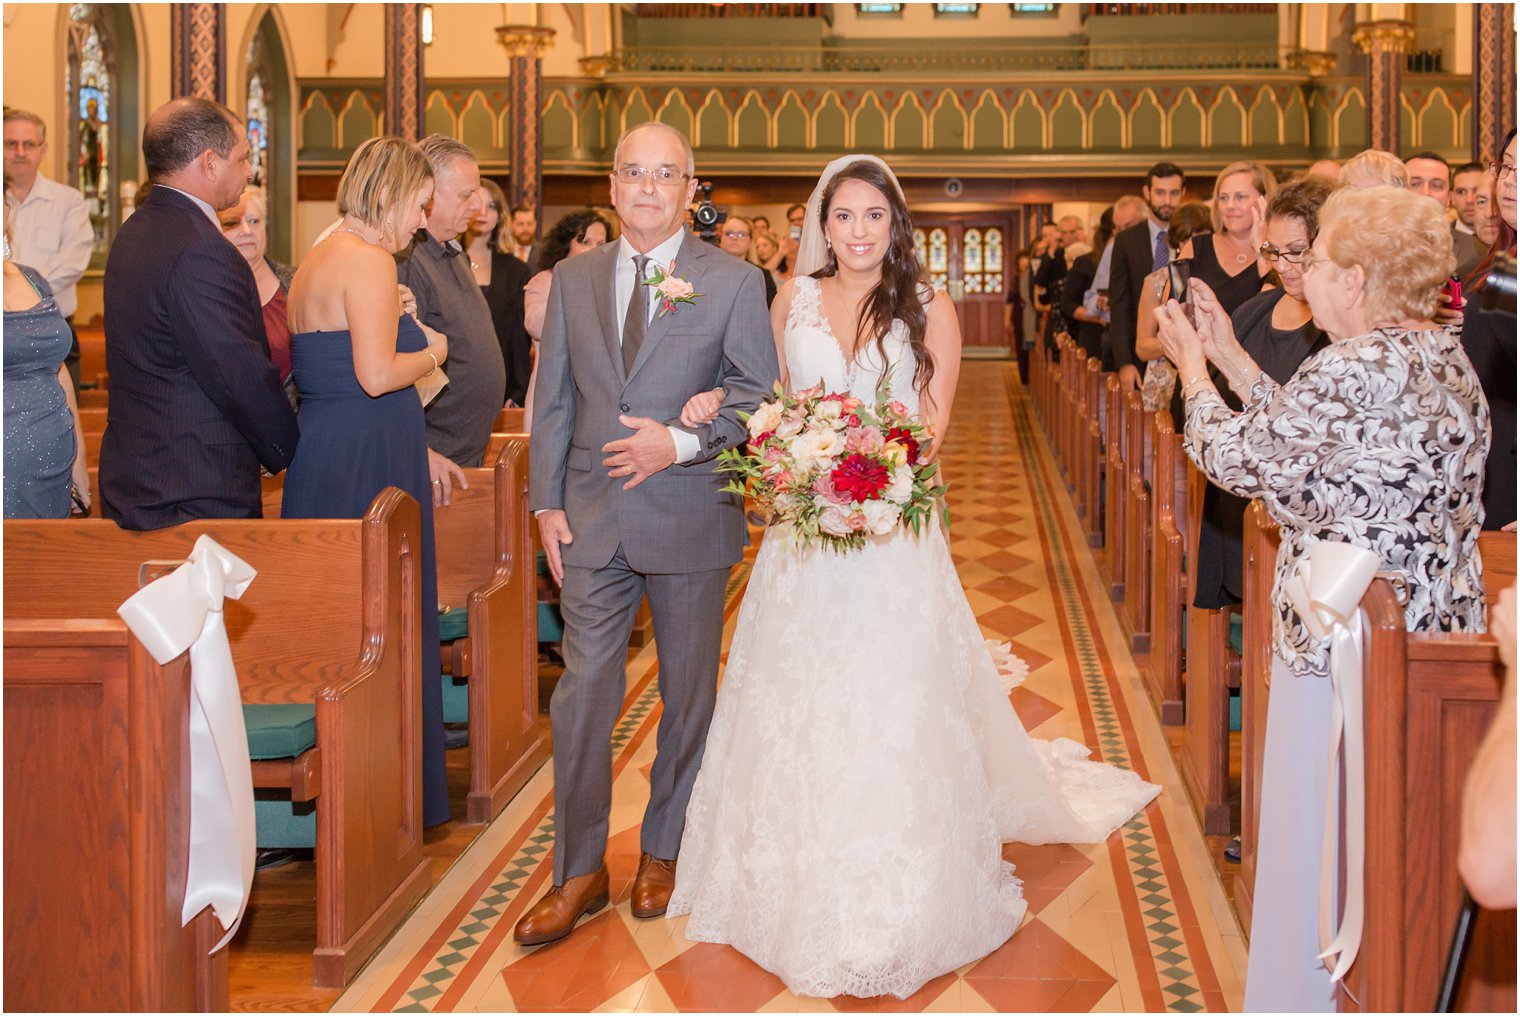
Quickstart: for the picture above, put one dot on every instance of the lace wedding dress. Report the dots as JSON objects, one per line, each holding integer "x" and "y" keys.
{"x": 864, "y": 765}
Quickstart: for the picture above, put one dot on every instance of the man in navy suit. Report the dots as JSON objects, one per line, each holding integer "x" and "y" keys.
{"x": 196, "y": 404}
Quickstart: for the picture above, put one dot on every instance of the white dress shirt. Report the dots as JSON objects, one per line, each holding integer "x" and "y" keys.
{"x": 687, "y": 444}
{"x": 51, "y": 232}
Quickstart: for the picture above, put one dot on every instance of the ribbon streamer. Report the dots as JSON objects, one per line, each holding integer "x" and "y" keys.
{"x": 180, "y": 611}
{"x": 1326, "y": 590}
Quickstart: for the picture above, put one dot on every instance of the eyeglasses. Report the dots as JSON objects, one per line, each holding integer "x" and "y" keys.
{"x": 1293, "y": 255}
{"x": 665, "y": 176}
{"x": 25, "y": 146}
{"x": 1499, "y": 169}
{"x": 1309, "y": 259}
{"x": 736, "y": 236}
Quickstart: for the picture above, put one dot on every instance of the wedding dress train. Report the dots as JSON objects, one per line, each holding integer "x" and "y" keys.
{"x": 864, "y": 764}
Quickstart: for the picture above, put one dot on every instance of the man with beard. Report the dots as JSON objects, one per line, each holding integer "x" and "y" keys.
{"x": 1138, "y": 251}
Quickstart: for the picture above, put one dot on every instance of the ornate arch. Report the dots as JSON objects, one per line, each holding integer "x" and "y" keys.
{"x": 101, "y": 96}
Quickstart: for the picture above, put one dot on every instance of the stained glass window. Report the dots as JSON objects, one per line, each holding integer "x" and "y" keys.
{"x": 88, "y": 79}
{"x": 992, "y": 260}
{"x": 920, "y": 247}
{"x": 256, "y": 116}
{"x": 939, "y": 257}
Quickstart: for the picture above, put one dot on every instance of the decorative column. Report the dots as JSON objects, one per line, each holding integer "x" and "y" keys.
{"x": 1385, "y": 43}
{"x": 525, "y": 45}
{"x": 1493, "y": 77}
{"x": 405, "y": 98}
{"x": 197, "y": 41}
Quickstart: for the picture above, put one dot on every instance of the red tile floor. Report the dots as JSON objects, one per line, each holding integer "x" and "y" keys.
{"x": 1138, "y": 923}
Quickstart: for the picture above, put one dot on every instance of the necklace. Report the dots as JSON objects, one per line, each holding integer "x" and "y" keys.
{"x": 1240, "y": 259}
{"x": 349, "y": 229}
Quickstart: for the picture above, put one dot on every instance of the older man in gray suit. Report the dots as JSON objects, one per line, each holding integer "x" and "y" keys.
{"x": 629, "y": 505}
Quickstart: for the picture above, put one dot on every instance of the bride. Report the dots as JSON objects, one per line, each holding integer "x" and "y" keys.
{"x": 864, "y": 764}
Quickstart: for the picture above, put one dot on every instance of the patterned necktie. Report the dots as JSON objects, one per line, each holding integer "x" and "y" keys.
{"x": 1162, "y": 255}
{"x": 638, "y": 314}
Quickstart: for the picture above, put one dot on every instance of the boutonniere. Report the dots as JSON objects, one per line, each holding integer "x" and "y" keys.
{"x": 670, "y": 288}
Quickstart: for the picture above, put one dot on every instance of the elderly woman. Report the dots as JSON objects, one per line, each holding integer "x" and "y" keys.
{"x": 1377, "y": 441}
{"x": 246, "y": 225}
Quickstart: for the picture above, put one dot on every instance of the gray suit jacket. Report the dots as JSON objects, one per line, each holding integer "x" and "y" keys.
{"x": 677, "y": 520}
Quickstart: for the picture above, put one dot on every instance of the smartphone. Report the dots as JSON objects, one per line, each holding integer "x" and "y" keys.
{"x": 796, "y": 232}
{"x": 1451, "y": 293}
{"x": 1180, "y": 273}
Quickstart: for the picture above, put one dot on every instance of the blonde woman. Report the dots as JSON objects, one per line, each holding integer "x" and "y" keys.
{"x": 1374, "y": 168}
{"x": 246, "y": 224}
{"x": 356, "y": 355}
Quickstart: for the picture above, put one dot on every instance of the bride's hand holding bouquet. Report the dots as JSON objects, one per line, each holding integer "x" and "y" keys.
{"x": 836, "y": 470}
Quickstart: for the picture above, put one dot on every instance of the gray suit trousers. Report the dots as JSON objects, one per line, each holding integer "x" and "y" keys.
{"x": 599, "y": 605}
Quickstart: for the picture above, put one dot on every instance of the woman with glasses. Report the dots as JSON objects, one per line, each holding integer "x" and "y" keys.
{"x": 502, "y": 278}
{"x": 734, "y": 237}
{"x": 1276, "y": 329}
{"x": 1489, "y": 339}
{"x": 1376, "y": 441}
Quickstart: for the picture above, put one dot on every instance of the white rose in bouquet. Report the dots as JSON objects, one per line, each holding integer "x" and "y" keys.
{"x": 881, "y": 516}
{"x": 900, "y": 490}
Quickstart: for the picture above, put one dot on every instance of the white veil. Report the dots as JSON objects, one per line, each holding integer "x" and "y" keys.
{"x": 813, "y": 252}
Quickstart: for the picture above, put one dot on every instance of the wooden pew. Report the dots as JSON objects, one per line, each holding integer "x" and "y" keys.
{"x": 1169, "y": 584}
{"x": 1262, "y": 540}
{"x": 1114, "y": 482}
{"x": 1212, "y": 670}
{"x": 1429, "y": 699}
{"x": 1137, "y": 516}
{"x": 97, "y": 837}
{"x": 332, "y": 619}
{"x": 1092, "y": 470}
{"x": 508, "y": 421}
{"x": 484, "y": 541}
{"x": 1081, "y": 424}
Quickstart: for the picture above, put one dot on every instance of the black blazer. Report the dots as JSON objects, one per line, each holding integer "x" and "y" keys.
{"x": 1489, "y": 339}
{"x": 509, "y": 274}
{"x": 1127, "y": 270}
{"x": 196, "y": 404}
{"x": 1074, "y": 286}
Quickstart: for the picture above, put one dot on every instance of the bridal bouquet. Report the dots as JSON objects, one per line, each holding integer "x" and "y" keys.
{"x": 835, "y": 469}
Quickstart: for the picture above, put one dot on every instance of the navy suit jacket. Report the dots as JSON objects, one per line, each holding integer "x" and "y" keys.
{"x": 196, "y": 404}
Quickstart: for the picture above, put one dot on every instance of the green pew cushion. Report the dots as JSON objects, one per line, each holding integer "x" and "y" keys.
{"x": 281, "y": 730}
{"x": 453, "y": 624}
{"x": 551, "y": 627}
{"x": 1237, "y": 633}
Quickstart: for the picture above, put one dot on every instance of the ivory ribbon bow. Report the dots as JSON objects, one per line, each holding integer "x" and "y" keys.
{"x": 1326, "y": 590}
{"x": 183, "y": 610}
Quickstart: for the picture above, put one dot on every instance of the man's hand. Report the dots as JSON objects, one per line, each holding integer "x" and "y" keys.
{"x": 553, "y": 530}
{"x": 649, "y": 450}
{"x": 702, "y": 408}
{"x": 442, "y": 469}
{"x": 1129, "y": 378}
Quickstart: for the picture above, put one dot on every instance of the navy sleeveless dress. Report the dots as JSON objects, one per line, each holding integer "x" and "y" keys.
{"x": 352, "y": 447}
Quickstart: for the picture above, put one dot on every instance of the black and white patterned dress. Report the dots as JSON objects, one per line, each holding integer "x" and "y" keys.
{"x": 1378, "y": 441}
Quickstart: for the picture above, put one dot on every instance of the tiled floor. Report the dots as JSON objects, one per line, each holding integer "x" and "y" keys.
{"x": 1137, "y": 923}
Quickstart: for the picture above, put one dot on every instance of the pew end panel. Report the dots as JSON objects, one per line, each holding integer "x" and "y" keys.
{"x": 1137, "y": 539}
{"x": 1163, "y": 676}
{"x": 1262, "y": 540}
{"x": 1114, "y": 480}
{"x": 99, "y": 835}
{"x": 369, "y": 834}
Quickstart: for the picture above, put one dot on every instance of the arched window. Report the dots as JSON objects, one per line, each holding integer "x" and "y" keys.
{"x": 90, "y": 83}
{"x": 257, "y": 118}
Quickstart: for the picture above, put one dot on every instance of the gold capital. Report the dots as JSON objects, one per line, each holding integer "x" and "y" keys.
{"x": 524, "y": 40}
{"x": 1388, "y": 36}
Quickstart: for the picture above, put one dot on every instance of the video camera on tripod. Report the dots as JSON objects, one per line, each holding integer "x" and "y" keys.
{"x": 707, "y": 217}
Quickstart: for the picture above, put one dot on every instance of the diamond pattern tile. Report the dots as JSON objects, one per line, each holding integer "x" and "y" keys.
{"x": 715, "y": 978}
{"x": 1039, "y": 971}
{"x": 580, "y": 972}
{"x": 1046, "y": 871}
{"x": 916, "y": 1002}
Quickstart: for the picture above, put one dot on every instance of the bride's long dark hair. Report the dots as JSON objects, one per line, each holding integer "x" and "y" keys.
{"x": 899, "y": 294}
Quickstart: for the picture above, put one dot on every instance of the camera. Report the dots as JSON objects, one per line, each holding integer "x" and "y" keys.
{"x": 1499, "y": 290}
{"x": 707, "y": 217}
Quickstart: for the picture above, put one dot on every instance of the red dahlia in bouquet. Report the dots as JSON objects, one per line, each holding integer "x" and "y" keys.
{"x": 836, "y": 470}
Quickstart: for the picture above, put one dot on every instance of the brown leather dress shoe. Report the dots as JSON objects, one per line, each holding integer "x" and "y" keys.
{"x": 652, "y": 888}
{"x": 555, "y": 915}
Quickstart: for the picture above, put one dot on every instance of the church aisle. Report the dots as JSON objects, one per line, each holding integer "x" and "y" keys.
{"x": 1137, "y": 923}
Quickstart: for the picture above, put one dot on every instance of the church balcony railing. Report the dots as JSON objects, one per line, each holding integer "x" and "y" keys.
{"x": 959, "y": 57}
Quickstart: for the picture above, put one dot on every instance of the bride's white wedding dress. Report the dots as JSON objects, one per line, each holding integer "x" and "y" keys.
{"x": 864, "y": 765}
